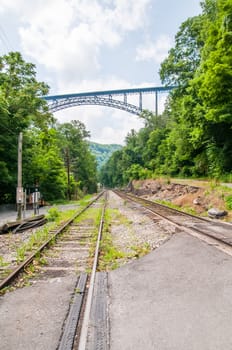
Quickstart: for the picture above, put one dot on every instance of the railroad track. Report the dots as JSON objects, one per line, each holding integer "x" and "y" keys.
{"x": 10, "y": 274}
{"x": 76, "y": 326}
{"x": 72, "y": 254}
{"x": 219, "y": 232}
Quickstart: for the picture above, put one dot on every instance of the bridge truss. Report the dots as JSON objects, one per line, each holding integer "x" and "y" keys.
{"x": 110, "y": 98}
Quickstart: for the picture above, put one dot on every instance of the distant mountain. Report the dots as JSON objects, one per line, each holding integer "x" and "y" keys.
{"x": 102, "y": 152}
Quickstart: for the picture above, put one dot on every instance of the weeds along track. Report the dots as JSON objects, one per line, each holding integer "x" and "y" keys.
{"x": 218, "y": 231}
{"x": 69, "y": 247}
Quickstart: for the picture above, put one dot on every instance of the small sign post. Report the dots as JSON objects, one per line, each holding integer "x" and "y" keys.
{"x": 35, "y": 201}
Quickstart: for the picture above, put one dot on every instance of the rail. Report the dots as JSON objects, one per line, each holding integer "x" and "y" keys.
{"x": 7, "y": 280}
{"x": 220, "y": 232}
{"x": 73, "y": 319}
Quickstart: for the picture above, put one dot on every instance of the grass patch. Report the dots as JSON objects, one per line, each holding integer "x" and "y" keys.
{"x": 140, "y": 250}
{"x": 109, "y": 255}
{"x": 86, "y": 198}
{"x": 34, "y": 242}
{"x": 228, "y": 201}
{"x": 41, "y": 235}
{"x": 53, "y": 214}
{"x": 221, "y": 196}
{"x": 6, "y": 289}
{"x": 2, "y": 262}
{"x": 116, "y": 216}
{"x": 185, "y": 209}
{"x": 5, "y": 273}
{"x": 63, "y": 202}
{"x": 92, "y": 214}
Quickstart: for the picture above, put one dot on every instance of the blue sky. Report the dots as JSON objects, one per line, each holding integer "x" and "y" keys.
{"x": 88, "y": 45}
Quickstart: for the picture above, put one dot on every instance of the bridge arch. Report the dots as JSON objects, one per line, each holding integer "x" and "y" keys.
{"x": 94, "y": 100}
{"x": 106, "y": 98}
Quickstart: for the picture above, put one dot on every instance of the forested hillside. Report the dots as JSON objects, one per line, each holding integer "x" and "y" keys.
{"x": 102, "y": 152}
{"x": 56, "y": 157}
{"x": 193, "y": 137}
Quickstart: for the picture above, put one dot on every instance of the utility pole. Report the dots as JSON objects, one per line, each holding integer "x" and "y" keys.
{"x": 20, "y": 194}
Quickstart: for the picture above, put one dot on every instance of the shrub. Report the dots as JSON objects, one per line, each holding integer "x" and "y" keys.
{"x": 52, "y": 214}
{"x": 229, "y": 202}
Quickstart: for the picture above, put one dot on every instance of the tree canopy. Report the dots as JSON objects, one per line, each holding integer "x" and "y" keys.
{"x": 193, "y": 137}
{"x": 46, "y": 143}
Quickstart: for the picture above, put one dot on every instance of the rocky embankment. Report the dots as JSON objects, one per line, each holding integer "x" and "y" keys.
{"x": 208, "y": 200}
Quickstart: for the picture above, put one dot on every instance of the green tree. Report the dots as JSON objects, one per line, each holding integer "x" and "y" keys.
{"x": 21, "y": 107}
{"x": 111, "y": 174}
{"x": 77, "y": 156}
{"x": 43, "y": 165}
{"x": 183, "y": 60}
{"x": 215, "y": 78}
{"x": 212, "y": 86}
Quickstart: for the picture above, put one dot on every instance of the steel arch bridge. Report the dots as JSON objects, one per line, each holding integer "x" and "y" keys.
{"x": 109, "y": 98}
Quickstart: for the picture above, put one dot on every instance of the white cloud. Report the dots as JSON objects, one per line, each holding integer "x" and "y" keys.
{"x": 130, "y": 14}
{"x": 9, "y": 5}
{"x": 66, "y": 36}
{"x": 156, "y": 51}
{"x": 111, "y": 83}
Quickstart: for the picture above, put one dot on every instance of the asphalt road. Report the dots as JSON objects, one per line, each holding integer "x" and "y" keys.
{"x": 9, "y": 215}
